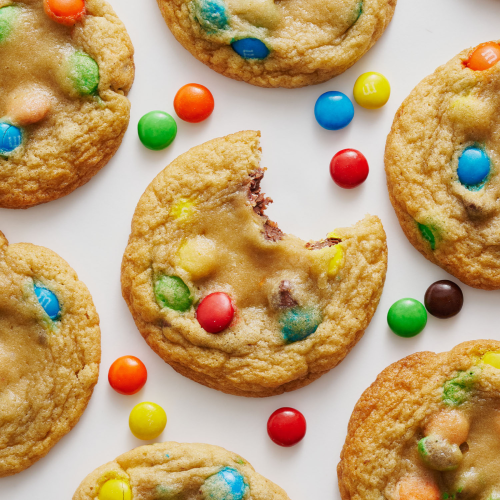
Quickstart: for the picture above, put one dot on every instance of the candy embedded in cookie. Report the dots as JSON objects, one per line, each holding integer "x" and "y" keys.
{"x": 67, "y": 66}
{"x": 442, "y": 158}
{"x": 225, "y": 296}
{"x": 270, "y": 43}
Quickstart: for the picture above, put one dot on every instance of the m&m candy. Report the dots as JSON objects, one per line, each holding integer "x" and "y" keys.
{"x": 67, "y": 12}
{"x": 127, "y": 375}
{"x": 172, "y": 292}
{"x": 286, "y": 426}
{"x": 215, "y": 312}
{"x": 333, "y": 110}
{"x": 157, "y": 130}
{"x": 193, "y": 103}
{"x": 83, "y": 73}
{"x": 212, "y": 15}
{"x": 147, "y": 420}
{"x": 115, "y": 489}
{"x": 8, "y": 16}
{"x": 250, "y": 48}
{"x": 349, "y": 168}
{"x": 473, "y": 166}
{"x": 407, "y": 317}
{"x": 227, "y": 484}
{"x": 484, "y": 56}
{"x": 10, "y": 138}
{"x": 25, "y": 108}
{"x": 48, "y": 301}
{"x": 444, "y": 299}
{"x": 372, "y": 90}
{"x": 298, "y": 323}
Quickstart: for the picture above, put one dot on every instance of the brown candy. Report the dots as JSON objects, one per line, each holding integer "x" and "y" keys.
{"x": 444, "y": 299}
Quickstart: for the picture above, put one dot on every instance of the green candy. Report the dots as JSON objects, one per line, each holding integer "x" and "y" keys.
{"x": 439, "y": 454}
{"x": 172, "y": 292}
{"x": 83, "y": 73}
{"x": 157, "y": 130}
{"x": 427, "y": 235}
{"x": 457, "y": 390}
{"x": 407, "y": 317}
{"x": 8, "y": 15}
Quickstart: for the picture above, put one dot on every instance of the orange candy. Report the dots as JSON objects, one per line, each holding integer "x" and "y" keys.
{"x": 418, "y": 488}
{"x": 67, "y": 12}
{"x": 193, "y": 103}
{"x": 484, "y": 56}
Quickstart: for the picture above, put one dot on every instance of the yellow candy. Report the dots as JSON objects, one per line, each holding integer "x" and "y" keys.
{"x": 471, "y": 112}
{"x": 336, "y": 262}
{"x": 198, "y": 256}
{"x": 115, "y": 489}
{"x": 372, "y": 90}
{"x": 182, "y": 210}
{"x": 147, "y": 420}
{"x": 492, "y": 358}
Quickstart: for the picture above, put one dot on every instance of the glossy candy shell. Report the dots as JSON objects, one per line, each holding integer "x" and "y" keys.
{"x": 127, "y": 375}
{"x": 215, "y": 312}
{"x": 250, "y": 48}
{"x": 444, "y": 299}
{"x": 157, "y": 130}
{"x": 193, "y": 103}
{"x": 286, "y": 426}
{"x": 349, "y": 168}
{"x": 407, "y": 317}
{"x": 10, "y": 138}
{"x": 334, "y": 110}
{"x": 48, "y": 301}
{"x": 147, "y": 420}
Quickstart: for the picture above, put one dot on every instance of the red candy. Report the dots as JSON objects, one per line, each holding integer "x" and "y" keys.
{"x": 193, "y": 103}
{"x": 286, "y": 426}
{"x": 127, "y": 375}
{"x": 215, "y": 312}
{"x": 349, "y": 168}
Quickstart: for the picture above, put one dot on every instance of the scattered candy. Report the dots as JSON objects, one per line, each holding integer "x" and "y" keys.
{"x": 172, "y": 292}
{"x": 48, "y": 301}
{"x": 286, "y": 426}
{"x": 83, "y": 73}
{"x": 484, "y": 56}
{"x": 8, "y": 16}
{"x": 298, "y": 323}
{"x": 444, "y": 299}
{"x": 427, "y": 235}
{"x": 115, "y": 489}
{"x": 157, "y": 130}
{"x": 10, "y": 138}
{"x": 349, "y": 168}
{"x": 333, "y": 110}
{"x": 193, "y": 103}
{"x": 127, "y": 375}
{"x": 473, "y": 166}
{"x": 407, "y": 317}
{"x": 250, "y": 48}
{"x": 67, "y": 12}
{"x": 211, "y": 14}
{"x": 147, "y": 420}
{"x": 25, "y": 108}
{"x": 372, "y": 90}
{"x": 492, "y": 358}
{"x": 228, "y": 484}
{"x": 215, "y": 312}
{"x": 418, "y": 488}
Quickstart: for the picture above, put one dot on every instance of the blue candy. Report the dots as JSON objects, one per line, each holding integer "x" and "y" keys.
{"x": 10, "y": 138}
{"x": 250, "y": 48}
{"x": 333, "y": 110}
{"x": 228, "y": 484}
{"x": 298, "y": 323}
{"x": 48, "y": 301}
{"x": 473, "y": 167}
{"x": 211, "y": 14}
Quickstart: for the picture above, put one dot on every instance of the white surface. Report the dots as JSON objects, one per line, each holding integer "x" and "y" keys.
{"x": 89, "y": 228}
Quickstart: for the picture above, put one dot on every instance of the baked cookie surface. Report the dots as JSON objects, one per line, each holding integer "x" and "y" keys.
{"x": 63, "y": 110}
{"x": 272, "y": 43}
{"x": 168, "y": 471}
{"x": 49, "y": 352}
{"x": 442, "y": 158}
{"x": 428, "y": 429}
{"x": 229, "y": 300}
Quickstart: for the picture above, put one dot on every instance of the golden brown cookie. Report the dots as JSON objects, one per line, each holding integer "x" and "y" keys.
{"x": 63, "y": 110}
{"x": 229, "y": 300}
{"x": 428, "y": 429}
{"x": 49, "y": 352}
{"x": 273, "y": 43}
{"x": 442, "y": 159}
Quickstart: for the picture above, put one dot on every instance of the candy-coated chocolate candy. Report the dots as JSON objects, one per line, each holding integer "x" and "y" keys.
{"x": 147, "y": 420}
{"x": 67, "y": 12}
{"x": 439, "y": 454}
{"x": 215, "y": 312}
{"x": 484, "y": 56}
{"x": 372, "y": 90}
{"x": 8, "y": 16}
{"x": 336, "y": 262}
{"x": 298, "y": 323}
{"x": 10, "y": 138}
{"x": 182, "y": 210}
{"x": 349, "y": 168}
{"x": 418, "y": 488}
{"x": 250, "y": 48}
{"x": 227, "y": 484}
{"x": 157, "y": 130}
{"x": 452, "y": 425}
{"x": 25, "y": 108}
{"x": 492, "y": 358}
{"x": 333, "y": 110}
{"x": 407, "y": 317}
{"x": 444, "y": 299}
{"x": 127, "y": 375}
{"x": 211, "y": 14}
{"x": 473, "y": 166}
{"x": 286, "y": 426}
{"x": 427, "y": 235}
{"x": 193, "y": 103}
{"x": 83, "y": 73}
{"x": 172, "y": 292}
{"x": 48, "y": 301}
{"x": 115, "y": 489}
{"x": 198, "y": 256}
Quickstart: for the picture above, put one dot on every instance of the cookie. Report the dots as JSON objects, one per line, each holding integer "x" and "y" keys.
{"x": 442, "y": 158}
{"x": 49, "y": 352}
{"x": 427, "y": 429}
{"x": 167, "y": 471}
{"x": 63, "y": 110}
{"x": 278, "y": 44}
{"x": 229, "y": 300}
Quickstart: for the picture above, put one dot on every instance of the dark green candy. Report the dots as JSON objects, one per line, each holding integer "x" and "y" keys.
{"x": 8, "y": 16}
{"x": 172, "y": 292}
{"x": 427, "y": 235}
{"x": 407, "y": 317}
{"x": 83, "y": 73}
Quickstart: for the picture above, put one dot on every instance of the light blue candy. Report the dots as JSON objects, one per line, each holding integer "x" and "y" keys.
{"x": 473, "y": 166}
{"x": 250, "y": 48}
{"x": 211, "y": 14}
{"x": 48, "y": 301}
{"x": 333, "y": 110}
{"x": 298, "y": 323}
{"x": 228, "y": 484}
{"x": 10, "y": 138}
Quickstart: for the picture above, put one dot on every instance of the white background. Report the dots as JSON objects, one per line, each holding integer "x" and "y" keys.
{"x": 90, "y": 227}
